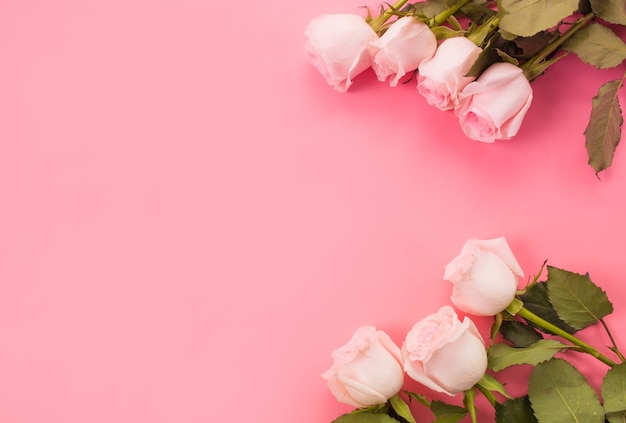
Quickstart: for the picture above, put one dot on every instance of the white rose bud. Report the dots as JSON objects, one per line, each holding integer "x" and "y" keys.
{"x": 484, "y": 277}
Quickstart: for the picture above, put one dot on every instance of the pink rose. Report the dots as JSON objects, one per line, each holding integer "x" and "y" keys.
{"x": 445, "y": 354}
{"x": 484, "y": 277}
{"x": 367, "y": 370}
{"x": 340, "y": 47}
{"x": 402, "y": 48}
{"x": 442, "y": 77}
{"x": 493, "y": 107}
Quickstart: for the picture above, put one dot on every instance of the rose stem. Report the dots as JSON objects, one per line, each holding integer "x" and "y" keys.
{"x": 470, "y": 394}
{"x": 614, "y": 349}
{"x": 488, "y": 394}
{"x": 443, "y": 16}
{"x": 560, "y": 40}
{"x": 379, "y": 21}
{"x": 532, "y": 317}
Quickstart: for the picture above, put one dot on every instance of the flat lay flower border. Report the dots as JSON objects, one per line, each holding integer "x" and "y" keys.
{"x": 478, "y": 58}
{"x": 537, "y": 326}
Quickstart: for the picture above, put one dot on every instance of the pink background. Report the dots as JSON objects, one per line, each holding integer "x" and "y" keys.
{"x": 191, "y": 220}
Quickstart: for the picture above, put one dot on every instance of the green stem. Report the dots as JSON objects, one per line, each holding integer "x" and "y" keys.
{"x": 484, "y": 31}
{"x": 615, "y": 349}
{"x": 470, "y": 394}
{"x": 443, "y": 16}
{"x": 488, "y": 394}
{"x": 377, "y": 23}
{"x": 533, "y": 318}
{"x": 559, "y": 41}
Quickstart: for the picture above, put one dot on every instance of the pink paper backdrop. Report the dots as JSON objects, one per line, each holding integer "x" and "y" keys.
{"x": 191, "y": 219}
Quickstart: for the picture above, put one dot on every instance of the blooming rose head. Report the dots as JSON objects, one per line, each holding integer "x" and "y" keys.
{"x": 442, "y": 77}
{"x": 339, "y": 46}
{"x": 402, "y": 48}
{"x": 484, "y": 277}
{"x": 367, "y": 370}
{"x": 493, "y": 107}
{"x": 445, "y": 354}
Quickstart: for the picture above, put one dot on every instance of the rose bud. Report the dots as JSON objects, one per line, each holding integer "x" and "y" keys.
{"x": 339, "y": 46}
{"x": 442, "y": 77}
{"x": 445, "y": 354}
{"x": 484, "y": 277}
{"x": 367, "y": 370}
{"x": 402, "y": 48}
{"x": 493, "y": 107}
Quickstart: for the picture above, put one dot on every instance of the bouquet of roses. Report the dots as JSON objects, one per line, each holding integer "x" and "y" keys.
{"x": 478, "y": 58}
{"x": 535, "y": 326}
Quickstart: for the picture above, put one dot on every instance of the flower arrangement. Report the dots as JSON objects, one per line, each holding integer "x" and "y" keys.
{"x": 534, "y": 326}
{"x": 478, "y": 58}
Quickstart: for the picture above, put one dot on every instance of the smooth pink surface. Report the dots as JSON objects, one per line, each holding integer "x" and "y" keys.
{"x": 191, "y": 220}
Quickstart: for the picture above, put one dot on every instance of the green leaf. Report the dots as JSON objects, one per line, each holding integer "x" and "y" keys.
{"x": 417, "y": 397}
{"x": 502, "y": 356}
{"x": 578, "y": 301}
{"x": 516, "y": 410}
{"x": 373, "y": 409}
{"x": 528, "y": 17}
{"x": 519, "y": 334}
{"x": 536, "y": 300}
{"x": 597, "y": 45}
{"x": 444, "y": 32}
{"x": 560, "y": 394}
{"x": 447, "y": 413}
{"x": 613, "y": 11}
{"x": 492, "y": 384}
{"x": 614, "y": 394}
{"x": 401, "y": 408}
{"x": 604, "y": 130}
{"x": 365, "y": 418}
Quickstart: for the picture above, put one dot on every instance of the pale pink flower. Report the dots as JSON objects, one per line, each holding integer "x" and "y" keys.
{"x": 442, "y": 77}
{"x": 445, "y": 354}
{"x": 402, "y": 48}
{"x": 484, "y": 275}
{"x": 493, "y": 107}
{"x": 339, "y": 46}
{"x": 367, "y": 370}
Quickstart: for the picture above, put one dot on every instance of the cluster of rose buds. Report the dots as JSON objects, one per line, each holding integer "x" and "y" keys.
{"x": 490, "y": 107}
{"x": 441, "y": 352}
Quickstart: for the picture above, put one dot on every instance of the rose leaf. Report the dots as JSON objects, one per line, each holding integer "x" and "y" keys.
{"x": 365, "y": 418}
{"x": 614, "y": 394}
{"x": 528, "y": 17}
{"x": 516, "y": 410}
{"x": 559, "y": 393}
{"x": 502, "y": 356}
{"x": 604, "y": 130}
{"x": 613, "y": 11}
{"x": 577, "y": 300}
{"x": 597, "y": 45}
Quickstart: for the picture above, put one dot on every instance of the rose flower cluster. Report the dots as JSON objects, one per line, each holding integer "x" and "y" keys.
{"x": 441, "y": 352}
{"x": 490, "y": 107}
{"x": 536, "y": 325}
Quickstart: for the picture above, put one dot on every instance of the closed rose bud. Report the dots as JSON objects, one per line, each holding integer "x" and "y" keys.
{"x": 445, "y": 354}
{"x": 442, "y": 77}
{"x": 484, "y": 277}
{"x": 367, "y": 370}
{"x": 402, "y": 48}
{"x": 493, "y": 107}
{"x": 339, "y": 46}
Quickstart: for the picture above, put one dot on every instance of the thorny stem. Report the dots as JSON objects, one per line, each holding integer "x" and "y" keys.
{"x": 532, "y": 317}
